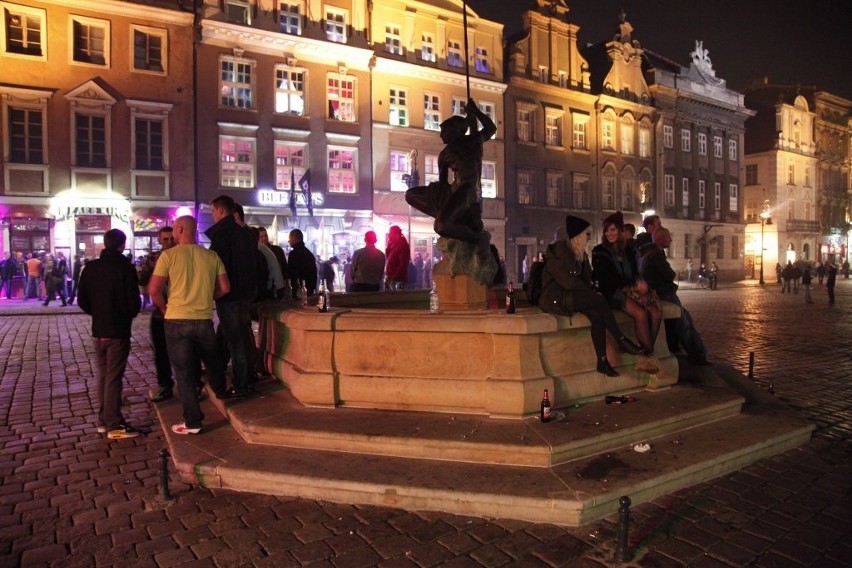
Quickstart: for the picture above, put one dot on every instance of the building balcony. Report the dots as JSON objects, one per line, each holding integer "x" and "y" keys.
{"x": 801, "y": 226}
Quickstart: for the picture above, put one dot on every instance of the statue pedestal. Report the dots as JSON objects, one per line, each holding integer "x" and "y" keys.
{"x": 460, "y": 292}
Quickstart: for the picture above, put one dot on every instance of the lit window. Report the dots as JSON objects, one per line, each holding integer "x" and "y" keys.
{"x": 393, "y": 43}
{"x": 579, "y": 135}
{"x": 669, "y": 191}
{"x": 335, "y": 25}
{"x": 543, "y": 75}
{"x": 431, "y": 112}
{"x": 454, "y": 54}
{"x": 733, "y": 197}
{"x": 289, "y": 165}
{"x": 482, "y": 63}
{"x": 627, "y": 191}
{"x": 668, "y": 136}
{"x": 580, "y": 190}
{"x": 488, "y": 110}
{"x": 525, "y": 125}
{"x": 685, "y": 140}
{"x": 26, "y": 135}
{"x": 236, "y": 83}
{"x": 290, "y": 90}
{"x": 563, "y": 79}
{"x": 608, "y": 190}
{"x": 290, "y": 18}
{"x": 702, "y": 194}
{"x": 488, "y": 181}
{"x": 90, "y": 135}
{"x": 430, "y": 169}
{"x": 398, "y": 107}
{"x": 553, "y": 129}
{"x": 399, "y": 166}
{"x": 90, "y": 41}
{"x": 608, "y": 134}
{"x": 237, "y": 162}
{"x": 525, "y": 189}
{"x": 702, "y": 144}
{"x": 627, "y": 138}
{"x": 148, "y": 144}
{"x": 732, "y": 150}
{"x": 341, "y": 98}
{"x": 427, "y": 48}
{"x": 554, "y": 190}
{"x": 341, "y": 171}
{"x": 644, "y": 142}
{"x": 22, "y": 30}
{"x": 238, "y": 11}
{"x": 717, "y": 146}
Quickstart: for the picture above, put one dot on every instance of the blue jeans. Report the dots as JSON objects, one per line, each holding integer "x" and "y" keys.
{"x": 235, "y": 322}
{"x": 188, "y": 341}
{"x": 32, "y": 287}
{"x": 111, "y": 361}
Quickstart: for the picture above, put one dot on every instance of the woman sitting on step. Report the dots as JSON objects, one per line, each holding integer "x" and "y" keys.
{"x": 567, "y": 288}
{"x": 615, "y": 270}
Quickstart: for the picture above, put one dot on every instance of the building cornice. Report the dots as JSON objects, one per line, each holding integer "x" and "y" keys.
{"x": 422, "y": 72}
{"x": 130, "y": 10}
{"x": 280, "y": 45}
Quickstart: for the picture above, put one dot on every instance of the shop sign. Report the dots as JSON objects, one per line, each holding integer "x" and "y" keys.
{"x": 272, "y": 198}
{"x": 64, "y": 212}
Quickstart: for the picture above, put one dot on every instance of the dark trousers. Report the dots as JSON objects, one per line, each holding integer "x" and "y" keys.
{"x": 235, "y": 323}
{"x": 161, "y": 351}
{"x": 595, "y": 307}
{"x": 684, "y": 330}
{"x": 111, "y": 360}
{"x": 6, "y": 287}
{"x": 830, "y": 290}
{"x": 365, "y": 287}
{"x": 191, "y": 342}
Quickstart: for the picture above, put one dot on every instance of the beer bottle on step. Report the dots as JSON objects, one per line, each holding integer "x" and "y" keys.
{"x": 303, "y": 293}
{"x": 433, "y": 299}
{"x": 545, "y": 408}
{"x": 323, "y": 299}
{"x": 510, "y": 299}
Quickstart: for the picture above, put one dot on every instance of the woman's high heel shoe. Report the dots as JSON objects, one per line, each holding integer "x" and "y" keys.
{"x": 628, "y": 346}
{"x": 605, "y": 368}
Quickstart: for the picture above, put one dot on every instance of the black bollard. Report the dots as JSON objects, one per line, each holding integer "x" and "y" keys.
{"x": 164, "y": 475}
{"x": 751, "y": 365}
{"x": 623, "y": 552}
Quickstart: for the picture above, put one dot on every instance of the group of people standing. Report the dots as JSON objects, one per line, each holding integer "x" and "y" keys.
{"x": 45, "y": 276}
{"x": 800, "y": 275}
{"x": 626, "y": 274}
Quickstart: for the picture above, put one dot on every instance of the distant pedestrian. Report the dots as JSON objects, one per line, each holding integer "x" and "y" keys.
{"x": 787, "y": 276}
{"x": 165, "y": 383}
{"x": 806, "y": 284}
{"x": 33, "y": 274}
{"x": 368, "y": 266}
{"x": 820, "y": 270}
{"x": 689, "y": 268}
{"x": 54, "y": 280}
{"x": 831, "y": 279}
{"x": 8, "y": 269}
{"x": 845, "y": 269}
{"x": 328, "y": 274}
{"x": 302, "y": 263}
{"x": 398, "y": 255}
{"x": 109, "y": 292}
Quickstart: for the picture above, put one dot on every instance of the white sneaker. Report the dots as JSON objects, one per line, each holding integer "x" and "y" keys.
{"x": 183, "y": 430}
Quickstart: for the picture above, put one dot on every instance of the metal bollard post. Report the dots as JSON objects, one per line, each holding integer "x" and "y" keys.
{"x": 164, "y": 475}
{"x": 751, "y": 365}
{"x": 623, "y": 552}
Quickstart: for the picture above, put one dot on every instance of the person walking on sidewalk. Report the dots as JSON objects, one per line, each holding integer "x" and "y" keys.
{"x": 195, "y": 277}
{"x": 8, "y": 269}
{"x": 165, "y": 383}
{"x": 109, "y": 292}
{"x": 830, "y": 280}
{"x": 806, "y": 284}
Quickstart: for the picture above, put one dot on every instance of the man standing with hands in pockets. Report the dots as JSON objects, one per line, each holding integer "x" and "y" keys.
{"x": 195, "y": 277}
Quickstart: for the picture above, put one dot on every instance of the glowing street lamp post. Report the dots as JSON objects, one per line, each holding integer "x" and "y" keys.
{"x": 765, "y": 219}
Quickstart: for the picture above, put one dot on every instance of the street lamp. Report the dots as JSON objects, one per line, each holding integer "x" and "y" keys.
{"x": 765, "y": 219}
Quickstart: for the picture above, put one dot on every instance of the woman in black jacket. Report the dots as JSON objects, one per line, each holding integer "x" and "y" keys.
{"x": 567, "y": 288}
{"x": 614, "y": 265}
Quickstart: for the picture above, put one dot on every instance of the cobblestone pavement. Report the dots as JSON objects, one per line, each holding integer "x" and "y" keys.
{"x": 70, "y": 497}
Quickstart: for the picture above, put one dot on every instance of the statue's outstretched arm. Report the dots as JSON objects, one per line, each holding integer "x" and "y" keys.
{"x": 476, "y": 117}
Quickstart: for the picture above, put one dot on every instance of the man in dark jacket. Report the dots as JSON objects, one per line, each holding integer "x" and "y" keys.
{"x": 660, "y": 276}
{"x": 109, "y": 292}
{"x": 237, "y": 248}
{"x": 302, "y": 264}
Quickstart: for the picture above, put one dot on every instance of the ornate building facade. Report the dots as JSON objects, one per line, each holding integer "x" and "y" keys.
{"x": 96, "y": 123}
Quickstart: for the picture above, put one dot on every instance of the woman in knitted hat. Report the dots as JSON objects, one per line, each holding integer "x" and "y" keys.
{"x": 614, "y": 265}
{"x": 567, "y": 288}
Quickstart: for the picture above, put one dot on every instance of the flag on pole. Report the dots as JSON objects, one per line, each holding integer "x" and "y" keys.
{"x": 292, "y": 192}
{"x": 305, "y": 184}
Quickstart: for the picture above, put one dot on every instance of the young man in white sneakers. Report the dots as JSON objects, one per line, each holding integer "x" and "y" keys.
{"x": 195, "y": 276}
{"x": 109, "y": 292}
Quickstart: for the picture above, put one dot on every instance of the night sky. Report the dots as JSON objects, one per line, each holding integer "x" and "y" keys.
{"x": 806, "y": 42}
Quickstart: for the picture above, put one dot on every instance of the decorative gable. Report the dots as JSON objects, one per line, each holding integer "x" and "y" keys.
{"x": 92, "y": 95}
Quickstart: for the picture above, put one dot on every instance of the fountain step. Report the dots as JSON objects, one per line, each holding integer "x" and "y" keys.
{"x": 276, "y": 418}
{"x": 571, "y": 493}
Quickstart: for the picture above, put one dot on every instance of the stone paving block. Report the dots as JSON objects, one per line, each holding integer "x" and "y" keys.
{"x": 516, "y": 544}
{"x": 43, "y": 555}
{"x": 377, "y": 530}
{"x": 157, "y": 529}
{"x": 731, "y": 554}
{"x": 397, "y": 545}
{"x": 206, "y": 548}
{"x": 173, "y": 557}
{"x": 490, "y": 555}
{"x": 356, "y": 559}
{"x": 431, "y": 531}
{"x": 197, "y": 534}
{"x": 343, "y": 543}
{"x": 198, "y": 519}
{"x": 260, "y": 517}
{"x": 219, "y": 528}
{"x": 458, "y": 542}
{"x": 488, "y": 532}
{"x": 679, "y": 550}
{"x": 430, "y": 554}
{"x": 346, "y": 523}
{"x": 312, "y": 533}
{"x": 311, "y": 552}
{"x": 155, "y": 545}
{"x": 656, "y": 560}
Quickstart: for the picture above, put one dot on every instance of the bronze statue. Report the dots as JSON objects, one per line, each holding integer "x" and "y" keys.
{"x": 456, "y": 206}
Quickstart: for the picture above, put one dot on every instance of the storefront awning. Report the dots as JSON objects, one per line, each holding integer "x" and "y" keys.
{"x": 419, "y": 225}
